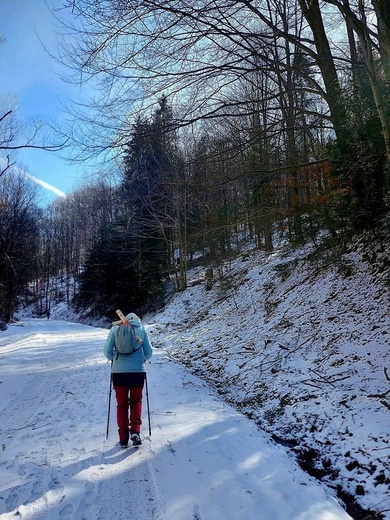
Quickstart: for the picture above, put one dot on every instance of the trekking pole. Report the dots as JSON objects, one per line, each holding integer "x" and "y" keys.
{"x": 147, "y": 403}
{"x": 109, "y": 405}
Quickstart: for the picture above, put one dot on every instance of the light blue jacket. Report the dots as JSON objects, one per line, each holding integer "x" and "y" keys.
{"x": 135, "y": 362}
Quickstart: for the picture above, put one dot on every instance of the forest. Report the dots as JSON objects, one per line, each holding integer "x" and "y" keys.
{"x": 222, "y": 123}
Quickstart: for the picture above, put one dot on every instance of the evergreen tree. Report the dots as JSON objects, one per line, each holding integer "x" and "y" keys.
{"x": 130, "y": 257}
{"x": 148, "y": 193}
{"x": 110, "y": 280}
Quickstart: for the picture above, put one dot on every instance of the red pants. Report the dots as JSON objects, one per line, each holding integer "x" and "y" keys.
{"x": 126, "y": 422}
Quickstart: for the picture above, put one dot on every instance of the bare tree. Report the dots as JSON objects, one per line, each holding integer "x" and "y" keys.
{"x": 374, "y": 43}
{"x": 16, "y": 134}
{"x": 273, "y": 70}
{"x": 193, "y": 52}
{"x": 18, "y": 239}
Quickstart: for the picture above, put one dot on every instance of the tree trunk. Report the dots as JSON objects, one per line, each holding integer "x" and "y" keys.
{"x": 382, "y": 12}
{"x": 312, "y": 13}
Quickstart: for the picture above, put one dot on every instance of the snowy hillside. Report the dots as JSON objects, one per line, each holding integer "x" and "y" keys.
{"x": 203, "y": 460}
{"x": 302, "y": 348}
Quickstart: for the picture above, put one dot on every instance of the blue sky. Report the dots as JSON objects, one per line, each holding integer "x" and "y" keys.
{"x": 29, "y": 74}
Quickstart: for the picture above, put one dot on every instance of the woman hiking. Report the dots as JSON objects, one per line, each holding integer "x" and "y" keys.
{"x": 128, "y": 347}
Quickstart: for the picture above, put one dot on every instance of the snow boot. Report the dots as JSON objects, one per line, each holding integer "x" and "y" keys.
{"x": 136, "y": 439}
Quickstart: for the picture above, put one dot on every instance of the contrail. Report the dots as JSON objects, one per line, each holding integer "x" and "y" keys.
{"x": 44, "y": 184}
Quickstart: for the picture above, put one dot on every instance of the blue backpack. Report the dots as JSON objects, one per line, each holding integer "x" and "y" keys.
{"x": 126, "y": 340}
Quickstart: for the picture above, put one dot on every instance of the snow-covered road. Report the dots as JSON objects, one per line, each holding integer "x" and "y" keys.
{"x": 203, "y": 461}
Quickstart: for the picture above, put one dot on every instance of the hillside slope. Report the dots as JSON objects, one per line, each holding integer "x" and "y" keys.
{"x": 301, "y": 346}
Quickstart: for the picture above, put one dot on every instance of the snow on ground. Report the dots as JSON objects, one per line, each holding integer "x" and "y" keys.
{"x": 203, "y": 461}
{"x": 302, "y": 347}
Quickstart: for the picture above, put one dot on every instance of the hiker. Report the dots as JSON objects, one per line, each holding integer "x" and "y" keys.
{"x": 128, "y": 377}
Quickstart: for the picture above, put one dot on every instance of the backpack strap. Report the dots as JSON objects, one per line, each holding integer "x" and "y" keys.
{"x": 134, "y": 351}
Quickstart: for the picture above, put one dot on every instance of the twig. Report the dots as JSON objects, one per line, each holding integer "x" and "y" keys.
{"x": 67, "y": 391}
{"x": 31, "y": 425}
{"x": 384, "y": 394}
